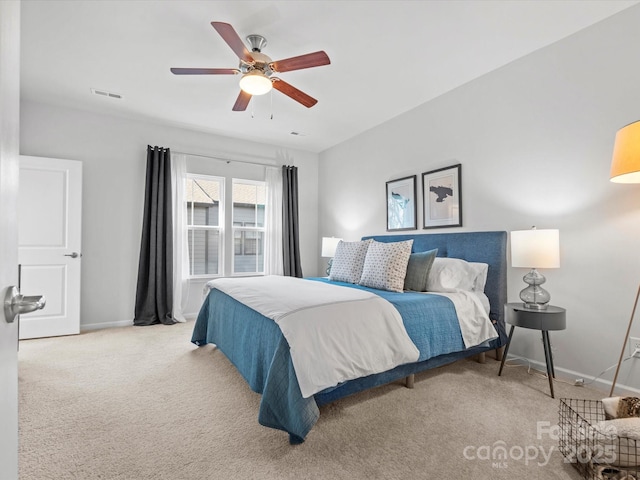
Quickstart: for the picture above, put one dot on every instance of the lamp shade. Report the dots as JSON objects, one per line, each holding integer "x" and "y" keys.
{"x": 625, "y": 165}
{"x": 329, "y": 245}
{"x": 535, "y": 248}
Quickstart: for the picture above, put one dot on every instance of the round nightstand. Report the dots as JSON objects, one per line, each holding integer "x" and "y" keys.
{"x": 553, "y": 318}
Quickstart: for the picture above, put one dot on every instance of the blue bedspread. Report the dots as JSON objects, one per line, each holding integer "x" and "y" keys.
{"x": 255, "y": 345}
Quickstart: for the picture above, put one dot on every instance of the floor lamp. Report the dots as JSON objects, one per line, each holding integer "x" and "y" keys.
{"x": 625, "y": 168}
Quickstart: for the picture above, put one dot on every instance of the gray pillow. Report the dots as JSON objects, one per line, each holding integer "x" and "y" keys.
{"x": 418, "y": 270}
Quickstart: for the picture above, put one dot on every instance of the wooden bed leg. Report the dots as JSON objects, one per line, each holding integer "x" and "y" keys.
{"x": 499, "y": 353}
{"x": 408, "y": 382}
{"x": 482, "y": 358}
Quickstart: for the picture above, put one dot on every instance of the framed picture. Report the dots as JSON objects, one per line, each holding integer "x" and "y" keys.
{"x": 442, "y": 197}
{"x": 402, "y": 213}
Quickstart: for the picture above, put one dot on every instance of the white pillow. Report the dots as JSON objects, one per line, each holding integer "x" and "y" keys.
{"x": 386, "y": 265}
{"x": 452, "y": 274}
{"x": 348, "y": 261}
{"x": 481, "y": 279}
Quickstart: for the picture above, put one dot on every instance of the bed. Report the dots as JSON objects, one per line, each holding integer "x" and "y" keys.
{"x": 257, "y": 347}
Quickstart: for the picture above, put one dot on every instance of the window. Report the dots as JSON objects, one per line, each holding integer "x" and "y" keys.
{"x": 205, "y": 223}
{"x": 245, "y": 226}
{"x": 248, "y": 226}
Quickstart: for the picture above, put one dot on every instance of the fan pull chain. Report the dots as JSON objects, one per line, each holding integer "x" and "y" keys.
{"x": 271, "y": 99}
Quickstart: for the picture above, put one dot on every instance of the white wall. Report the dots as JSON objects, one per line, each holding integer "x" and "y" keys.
{"x": 113, "y": 152}
{"x": 534, "y": 139}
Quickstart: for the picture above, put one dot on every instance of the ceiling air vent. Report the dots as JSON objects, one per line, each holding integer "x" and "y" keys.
{"x": 104, "y": 93}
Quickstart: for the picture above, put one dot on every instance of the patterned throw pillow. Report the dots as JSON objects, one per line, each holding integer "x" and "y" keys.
{"x": 386, "y": 265}
{"x": 348, "y": 261}
{"x": 418, "y": 270}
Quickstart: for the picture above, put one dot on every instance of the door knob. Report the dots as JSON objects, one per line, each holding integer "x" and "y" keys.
{"x": 15, "y": 303}
{"x": 73, "y": 255}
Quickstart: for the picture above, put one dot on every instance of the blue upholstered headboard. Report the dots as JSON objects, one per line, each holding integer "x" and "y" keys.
{"x": 486, "y": 247}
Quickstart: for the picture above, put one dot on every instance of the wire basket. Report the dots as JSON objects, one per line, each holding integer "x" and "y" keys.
{"x": 592, "y": 444}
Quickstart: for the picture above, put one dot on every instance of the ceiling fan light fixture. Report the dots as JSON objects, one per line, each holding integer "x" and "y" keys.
{"x": 255, "y": 83}
{"x": 258, "y": 68}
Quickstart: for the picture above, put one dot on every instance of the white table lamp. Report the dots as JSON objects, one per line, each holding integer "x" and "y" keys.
{"x": 329, "y": 245}
{"x": 535, "y": 249}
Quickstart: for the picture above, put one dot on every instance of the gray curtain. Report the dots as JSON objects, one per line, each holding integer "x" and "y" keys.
{"x": 291, "y": 242}
{"x": 154, "y": 295}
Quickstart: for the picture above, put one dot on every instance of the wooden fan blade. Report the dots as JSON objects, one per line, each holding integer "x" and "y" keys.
{"x": 230, "y": 36}
{"x": 309, "y": 60}
{"x": 294, "y": 93}
{"x": 242, "y": 101}
{"x": 205, "y": 71}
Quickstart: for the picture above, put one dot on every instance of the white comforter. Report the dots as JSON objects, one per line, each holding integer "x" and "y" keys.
{"x": 472, "y": 309}
{"x": 334, "y": 333}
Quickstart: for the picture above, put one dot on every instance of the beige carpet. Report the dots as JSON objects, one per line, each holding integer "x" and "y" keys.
{"x": 144, "y": 403}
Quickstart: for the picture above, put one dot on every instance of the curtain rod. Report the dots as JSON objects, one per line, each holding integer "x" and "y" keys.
{"x": 266, "y": 163}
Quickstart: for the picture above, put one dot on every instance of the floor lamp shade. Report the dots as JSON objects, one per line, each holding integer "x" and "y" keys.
{"x": 625, "y": 168}
{"x": 625, "y": 164}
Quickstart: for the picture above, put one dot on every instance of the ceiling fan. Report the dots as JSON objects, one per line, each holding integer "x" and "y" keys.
{"x": 257, "y": 69}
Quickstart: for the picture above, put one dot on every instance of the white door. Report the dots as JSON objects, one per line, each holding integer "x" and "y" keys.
{"x": 9, "y": 144}
{"x": 49, "y": 236}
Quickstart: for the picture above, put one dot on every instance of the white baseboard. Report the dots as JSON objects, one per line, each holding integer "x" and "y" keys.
{"x": 571, "y": 376}
{"x": 122, "y": 323}
{"x": 99, "y": 326}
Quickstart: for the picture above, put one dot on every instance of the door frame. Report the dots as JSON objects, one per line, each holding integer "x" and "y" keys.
{"x": 49, "y": 257}
{"x": 9, "y": 175}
